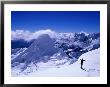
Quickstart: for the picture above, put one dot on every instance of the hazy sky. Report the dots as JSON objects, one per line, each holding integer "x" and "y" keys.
{"x": 59, "y": 21}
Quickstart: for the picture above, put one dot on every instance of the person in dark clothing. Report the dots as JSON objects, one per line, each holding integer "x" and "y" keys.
{"x": 82, "y": 60}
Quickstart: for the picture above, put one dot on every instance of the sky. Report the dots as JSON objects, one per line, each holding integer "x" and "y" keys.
{"x": 59, "y": 21}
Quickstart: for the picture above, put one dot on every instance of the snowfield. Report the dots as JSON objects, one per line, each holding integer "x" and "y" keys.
{"x": 63, "y": 68}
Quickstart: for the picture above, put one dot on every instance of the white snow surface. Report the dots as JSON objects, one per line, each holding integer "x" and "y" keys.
{"x": 63, "y": 68}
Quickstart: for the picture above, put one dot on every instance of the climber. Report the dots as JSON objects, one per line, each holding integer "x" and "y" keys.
{"x": 82, "y": 63}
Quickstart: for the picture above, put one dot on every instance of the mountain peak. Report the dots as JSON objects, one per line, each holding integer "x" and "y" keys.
{"x": 84, "y": 33}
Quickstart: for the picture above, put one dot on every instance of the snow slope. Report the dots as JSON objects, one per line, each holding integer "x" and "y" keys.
{"x": 91, "y": 66}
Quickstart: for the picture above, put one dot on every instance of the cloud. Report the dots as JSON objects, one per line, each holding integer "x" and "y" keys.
{"x": 20, "y": 34}
{"x": 27, "y": 35}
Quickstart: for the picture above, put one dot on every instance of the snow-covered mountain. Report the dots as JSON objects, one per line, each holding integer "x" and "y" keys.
{"x": 40, "y": 50}
{"x": 91, "y": 66}
{"x": 50, "y": 48}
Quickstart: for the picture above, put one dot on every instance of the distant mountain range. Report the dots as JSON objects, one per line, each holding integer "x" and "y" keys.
{"x": 43, "y": 46}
